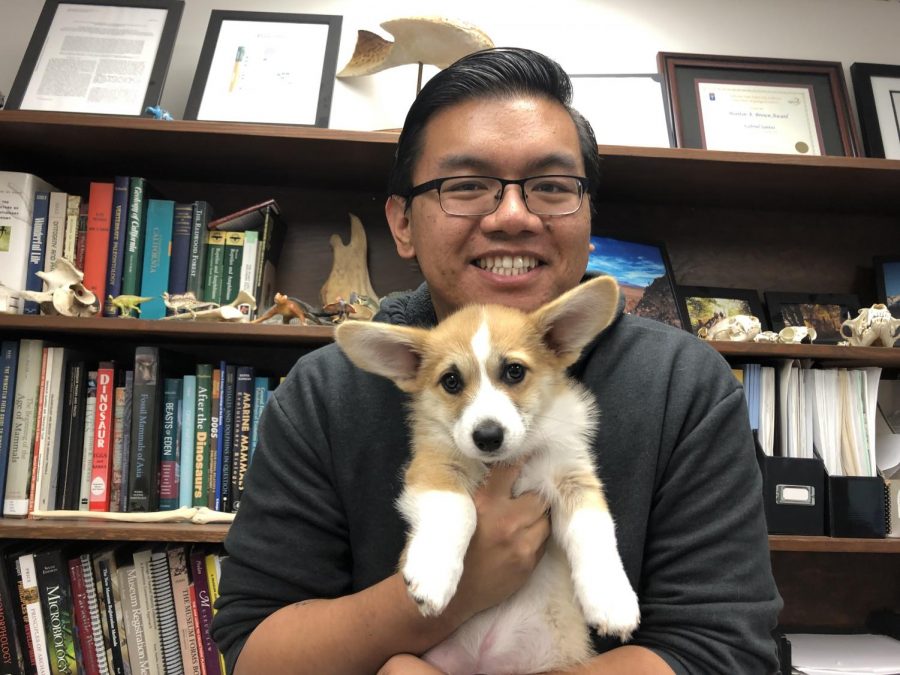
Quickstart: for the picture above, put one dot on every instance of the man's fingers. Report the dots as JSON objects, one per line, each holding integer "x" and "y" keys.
{"x": 501, "y": 478}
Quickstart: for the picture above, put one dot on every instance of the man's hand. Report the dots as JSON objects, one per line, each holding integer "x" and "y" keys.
{"x": 407, "y": 664}
{"x": 509, "y": 541}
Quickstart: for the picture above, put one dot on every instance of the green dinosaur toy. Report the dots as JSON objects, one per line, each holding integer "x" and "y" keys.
{"x": 127, "y": 303}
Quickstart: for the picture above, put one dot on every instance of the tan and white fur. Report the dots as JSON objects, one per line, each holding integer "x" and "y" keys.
{"x": 489, "y": 385}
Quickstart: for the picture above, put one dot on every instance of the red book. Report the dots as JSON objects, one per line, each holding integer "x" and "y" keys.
{"x": 101, "y": 465}
{"x": 82, "y": 612}
{"x": 96, "y": 253}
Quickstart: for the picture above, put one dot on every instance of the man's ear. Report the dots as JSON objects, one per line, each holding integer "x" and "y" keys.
{"x": 398, "y": 219}
{"x": 575, "y": 318}
{"x": 391, "y": 351}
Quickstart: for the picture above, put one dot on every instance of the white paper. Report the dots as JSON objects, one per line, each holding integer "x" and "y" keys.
{"x": 747, "y": 117}
{"x": 886, "y": 91}
{"x": 265, "y": 71}
{"x": 856, "y": 654}
{"x": 623, "y": 109}
{"x": 96, "y": 59}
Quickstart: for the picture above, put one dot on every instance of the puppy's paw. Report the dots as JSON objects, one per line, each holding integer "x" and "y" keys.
{"x": 614, "y": 612}
{"x": 431, "y": 583}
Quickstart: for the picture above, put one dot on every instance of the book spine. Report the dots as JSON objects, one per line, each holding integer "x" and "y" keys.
{"x": 70, "y": 240}
{"x": 28, "y": 653}
{"x": 197, "y": 263}
{"x": 33, "y": 282}
{"x": 270, "y": 244}
{"x": 204, "y": 611}
{"x": 133, "y": 261}
{"x": 54, "y": 427}
{"x": 39, "y": 455}
{"x": 96, "y": 253}
{"x": 56, "y": 605}
{"x": 217, "y": 404}
{"x": 21, "y": 440}
{"x": 148, "y": 609}
{"x": 118, "y": 241}
{"x": 143, "y": 486}
{"x": 202, "y": 443}
{"x": 198, "y": 636}
{"x": 81, "y": 237}
{"x": 107, "y": 585}
{"x": 231, "y": 276}
{"x": 227, "y": 435}
{"x": 87, "y": 452}
{"x": 82, "y": 622}
{"x": 9, "y": 361}
{"x": 94, "y": 614}
{"x": 261, "y": 393}
{"x": 12, "y": 647}
{"x": 69, "y": 488}
{"x": 166, "y": 619}
{"x": 181, "y": 595}
{"x": 31, "y": 599}
{"x": 181, "y": 248}
{"x": 127, "y": 420}
{"x": 101, "y": 462}
{"x": 118, "y": 448}
{"x": 248, "y": 270}
{"x": 212, "y": 561}
{"x": 188, "y": 440}
{"x": 168, "y": 467}
{"x": 243, "y": 419}
{"x": 56, "y": 232}
{"x": 157, "y": 250}
{"x": 214, "y": 285}
{"x": 138, "y": 658}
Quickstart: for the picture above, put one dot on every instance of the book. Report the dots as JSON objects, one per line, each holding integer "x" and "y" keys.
{"x": 83, "y": 621}
{"x": 96, "y": 251}
{"x": 56, "y": 231}
{"x": 212, "y": 562}
{"x": 13, "y": 649}
{"x": 243, "y": 420}
{"x": 157, "y": 248}
{"x": 36, "y": 458}
{"x": 170, "y": 445}
{"x": 181, "y": 595}
{"x": 70, "y": 238}
{"x": 17, "y": 192}
{"x": 181, "y": 248}
{"x": 203, "y": 442}
{"x": 68, "y": 490}
{"x": 13, "y": 567}
{"x": 214, "y": 285}
{"x": 118, "y": 241}
{"x": 104, "y": 415}
{"x": 134, "y": 644}
{"x": 188, "y": 440}
{"x": 118, "y": 448}
{"x": 31, "y": 602}
{"x": 36, "y": 249}
{"x": 50, "y": 431}
{"x": 127, "y": 423}
{"x": 52, "y": 570}
{"x": 9, "y": 362}
{"x": 166, "y": 619}
{"x": 231, "y": 266}
{"x": 226, "y": 438}
{"x": 248, "y": 270}
{"x": 143, "y": 481}
{"x": 106, "y": 580}
{"x": 261, "y": 392}
{"x": 133, "y": 260}
{"x": 217, "y": 409}
{"x": 197, "y": 560}
{"x": 81, "y": 236}
{"x": 87, "y": 447}
{"x": 197, "y": 261}
{"x": 147, "y": 604}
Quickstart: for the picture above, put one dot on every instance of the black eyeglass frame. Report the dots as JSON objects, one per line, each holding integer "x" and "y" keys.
{"x": 583, "y": 181}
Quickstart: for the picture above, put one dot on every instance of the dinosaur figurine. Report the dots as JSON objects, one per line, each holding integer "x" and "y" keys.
{"x": 186, "y": 302}
{"x": 127, "y": 303}
{"x": 284, "y": 307}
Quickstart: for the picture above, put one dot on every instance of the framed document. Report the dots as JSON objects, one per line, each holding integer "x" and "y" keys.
{"x": 763, "y": 105}
{"x": 97, "y": 56}
{"x": 266, "y": 67}
{"x": 877, "y": 89}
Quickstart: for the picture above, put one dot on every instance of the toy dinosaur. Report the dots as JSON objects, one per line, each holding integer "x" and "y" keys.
{"x": 186, "y": 302}
{"x": 284, "y": 307}
{"x": 127, "y": 303}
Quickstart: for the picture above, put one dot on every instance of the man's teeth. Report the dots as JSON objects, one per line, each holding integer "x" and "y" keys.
{"x": 508, "y": 265}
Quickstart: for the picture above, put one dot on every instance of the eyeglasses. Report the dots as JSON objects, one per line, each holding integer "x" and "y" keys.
{"x": 553, "y": 195}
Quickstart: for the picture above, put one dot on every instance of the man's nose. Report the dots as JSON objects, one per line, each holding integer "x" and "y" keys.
{"x": 512, "y": 214}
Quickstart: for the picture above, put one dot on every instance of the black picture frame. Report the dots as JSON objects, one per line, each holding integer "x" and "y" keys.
{"x": 321, "y": 97}
{"x": 887, "y": 282}
{"x": 825, "y": 79}
{"x": 823, "y": 311}
{"x": 878, "y": 107}
{"x": 722, "y": 303}
{"x": 640, "y": 267}
{"x": 42, "y": 30}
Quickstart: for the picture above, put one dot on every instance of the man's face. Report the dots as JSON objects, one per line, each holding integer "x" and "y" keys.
{"x": 462, "y": 257}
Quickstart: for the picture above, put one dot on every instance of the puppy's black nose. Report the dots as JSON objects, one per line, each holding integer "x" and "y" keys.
{"x": 488, "y": 436}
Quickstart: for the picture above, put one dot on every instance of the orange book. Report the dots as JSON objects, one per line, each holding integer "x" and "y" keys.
{"x": 101, "y": 463}
{"x": 96, "y": 253}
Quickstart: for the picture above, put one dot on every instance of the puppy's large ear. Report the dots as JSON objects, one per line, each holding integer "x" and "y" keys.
{"x": 570, "y": 322}
{"x": 391, "y": 351}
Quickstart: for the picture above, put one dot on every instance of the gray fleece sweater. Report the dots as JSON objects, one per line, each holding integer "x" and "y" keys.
{"x": 674, "y": 451}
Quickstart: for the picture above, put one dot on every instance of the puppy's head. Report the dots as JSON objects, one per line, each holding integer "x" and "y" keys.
{"x": 480, "y": 379}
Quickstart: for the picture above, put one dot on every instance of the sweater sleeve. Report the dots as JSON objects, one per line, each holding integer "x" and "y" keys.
{"x": 708, "y": 598}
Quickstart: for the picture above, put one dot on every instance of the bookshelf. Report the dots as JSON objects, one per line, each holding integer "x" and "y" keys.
{"x": 727, "y": 219}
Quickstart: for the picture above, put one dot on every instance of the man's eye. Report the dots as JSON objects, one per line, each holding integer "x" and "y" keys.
{"x": 466, "y": 186}
{"x": 513, "y": 373}
{"x": 451, "y": 382}
{"x": 552, "y": 187}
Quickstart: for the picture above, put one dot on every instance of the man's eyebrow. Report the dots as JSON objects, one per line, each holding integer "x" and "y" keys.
{"x": 552, "y": 161}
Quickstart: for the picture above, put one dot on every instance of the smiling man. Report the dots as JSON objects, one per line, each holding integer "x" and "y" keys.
{"x": 491, "y": 194}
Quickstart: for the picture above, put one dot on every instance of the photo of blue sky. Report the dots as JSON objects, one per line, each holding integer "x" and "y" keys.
{"x": 629, "y": 262}
{"x": 891, "y": 278}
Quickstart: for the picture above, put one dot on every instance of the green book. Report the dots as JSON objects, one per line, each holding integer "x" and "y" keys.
{"x": 215, "y": 267}
{"x": 234, "y": 252}
{"x": 203, "y": 442}
{"x": 197, "y": 259}
{"x": 133, "y": 262}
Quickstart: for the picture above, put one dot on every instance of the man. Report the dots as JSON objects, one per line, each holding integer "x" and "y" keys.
{"x": 310, "y": 585}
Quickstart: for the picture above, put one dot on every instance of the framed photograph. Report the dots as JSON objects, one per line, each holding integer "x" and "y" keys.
{"x": 97, "y": 56}
{"x": 267, "y": 67}
{"x": 624, "y": 109}
{"x": 706, "y": 305}
{"x": 825, "y": 312}
{"x": 887, "y": 283}
{"x": 877, "y": 89}
{"x": 744, "y": 104}
{"x": 644, "y": 274}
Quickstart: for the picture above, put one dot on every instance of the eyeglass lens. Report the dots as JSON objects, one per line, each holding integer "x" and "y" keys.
{"x": 480, "y": 195}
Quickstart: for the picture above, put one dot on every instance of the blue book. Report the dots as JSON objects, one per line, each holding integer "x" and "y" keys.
{"x": 261, "y": 391}
{"x": 170, "y": 439}
{"x": 33, "y": 282}
{"x": 118, "y": 242}
{"x": 181, "y": 248}
{"x": 219, "y": 421}
{"x": 188, "y": 436}
{"x": 9, "y": 359}
{"x": 243, "y": 418}
{"x": 157, "y": 247}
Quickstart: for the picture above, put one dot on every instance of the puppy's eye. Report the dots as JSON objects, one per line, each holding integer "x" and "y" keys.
{"x": 451, "y": 382}
{"x": 513, "y": 373}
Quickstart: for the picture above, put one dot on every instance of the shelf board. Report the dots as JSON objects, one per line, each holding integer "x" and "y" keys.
{"x": 64, "y": 145}
{"x": 833, "y": 355}
{"x": 782, "y": 542}
{"x": 95, "y": 530}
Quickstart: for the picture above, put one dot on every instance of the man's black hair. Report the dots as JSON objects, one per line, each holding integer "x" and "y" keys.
{"x": 491, "y": 73}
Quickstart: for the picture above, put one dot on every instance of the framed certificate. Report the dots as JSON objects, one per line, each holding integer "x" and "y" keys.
{"x": 266, "y": 67}
{"x": 877, "y": 89}
{"x": 762, "y": 105}
{"x": 97, "y": 56}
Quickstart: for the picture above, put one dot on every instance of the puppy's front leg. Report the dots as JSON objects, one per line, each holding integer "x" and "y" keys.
{"x": 583, "y": 527}
{"x": 441, "y": 514}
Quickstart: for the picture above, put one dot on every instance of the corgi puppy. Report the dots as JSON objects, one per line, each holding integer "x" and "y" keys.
{"x": 489, "y": 385}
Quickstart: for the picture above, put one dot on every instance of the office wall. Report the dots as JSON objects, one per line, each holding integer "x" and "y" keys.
{"x": 586, "y": 36}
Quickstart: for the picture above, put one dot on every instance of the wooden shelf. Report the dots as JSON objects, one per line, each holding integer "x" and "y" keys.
{"x": 781, "y": 542}
{"x": 94, "y": 530}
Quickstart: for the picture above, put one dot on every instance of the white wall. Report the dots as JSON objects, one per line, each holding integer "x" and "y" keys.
{"x": 585, "y": 36}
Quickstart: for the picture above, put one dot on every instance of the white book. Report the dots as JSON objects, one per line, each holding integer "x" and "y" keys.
{"x": 70, "y": 238}
{"x": 17, "y": 192}
{"x": 87, "y": 452}
{"x": 53, "y": 391}
{"x": 21, "y": 446}
{"x": 148, "y": 610}
{"x": 32, "y": 600}
{"x": 56, "y": 232}
{"x": 248, "y": 268}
